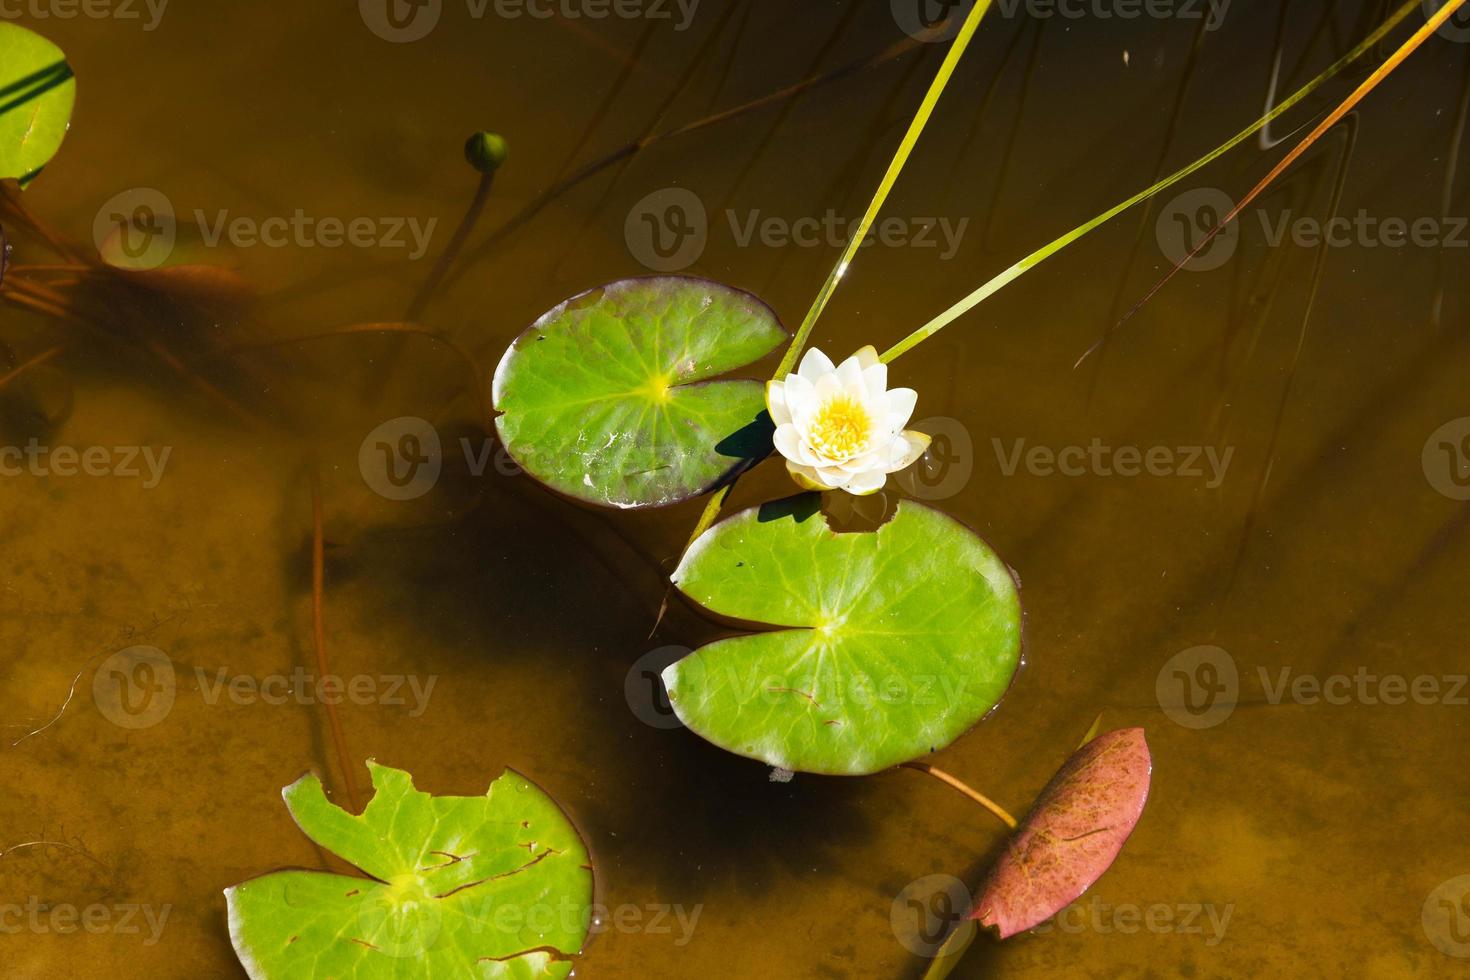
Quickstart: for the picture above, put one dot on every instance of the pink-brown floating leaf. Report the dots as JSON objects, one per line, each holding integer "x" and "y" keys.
{"x": 1071, "y": 836}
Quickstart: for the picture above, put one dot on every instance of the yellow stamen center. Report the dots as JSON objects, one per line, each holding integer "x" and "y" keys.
{"x": 840, "y": 428}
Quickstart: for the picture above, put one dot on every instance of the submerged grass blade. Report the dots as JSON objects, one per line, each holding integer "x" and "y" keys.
{"x": 880, "y": 197}
{"x": 1333, "y": 118}
{"x": 1013, "y": 273}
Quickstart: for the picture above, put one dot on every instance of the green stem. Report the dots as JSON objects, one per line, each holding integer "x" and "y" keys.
{"x": 880, "y": 197}
{"x": 1037, "y": 257}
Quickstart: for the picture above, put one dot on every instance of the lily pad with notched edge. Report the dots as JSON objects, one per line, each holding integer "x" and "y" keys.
{"x": 896, "y": 641}
{"x": 1072, "y": 834}
{"x": 37, "y": 92}
{"x": 607, "y": 398}
{"x": 493, "y": 886}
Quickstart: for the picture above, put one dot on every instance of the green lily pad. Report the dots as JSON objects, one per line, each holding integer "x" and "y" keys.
{"x": 895, "y": 643}
{"x": 37, "y": 92}
{"x": 607, "y": 397}
{"x": 460, "y": 886}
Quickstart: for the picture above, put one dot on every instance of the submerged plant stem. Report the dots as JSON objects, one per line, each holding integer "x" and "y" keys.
{"x": 319, "y": 634}
{"x": 956, "y": 783}
{"x": 451, "y": 251}
{"x": 36, "y": 361}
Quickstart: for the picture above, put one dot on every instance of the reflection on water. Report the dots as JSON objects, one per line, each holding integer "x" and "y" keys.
{"x": 1304, "y": 820}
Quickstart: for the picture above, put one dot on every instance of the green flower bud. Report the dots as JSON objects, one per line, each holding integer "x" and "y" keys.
{"x": 486, "y": 151}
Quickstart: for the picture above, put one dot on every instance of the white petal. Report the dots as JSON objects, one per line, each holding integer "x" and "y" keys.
{"x": 901, "y": 402}
{"x": 808, "y": 456}
{"x": 827, "y": 386}
{"x": 906, "y": 449}
{"x": 776, "y": 402}
{"x": 831, "y": 476}
{"x": 869, "y": 481}
{"x": 867, "y": 357}
{"x": 788, "y": 441}
{"x": 805, "y": 476}
{"x": 875, "y": 379}
{"x": 850, "y": 373}
{"x": 815, "y": 365}
{"x": 801, "y": 399}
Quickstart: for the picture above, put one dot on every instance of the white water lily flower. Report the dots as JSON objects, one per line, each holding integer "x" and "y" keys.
{"x": 841, "y": 428}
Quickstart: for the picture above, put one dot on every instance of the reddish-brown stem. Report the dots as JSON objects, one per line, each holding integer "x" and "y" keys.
{"x": 956, "y": 783}
{"x": 36, "y": 361}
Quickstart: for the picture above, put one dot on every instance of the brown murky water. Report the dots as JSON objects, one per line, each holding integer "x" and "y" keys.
{"x": 1287, "y": 835}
